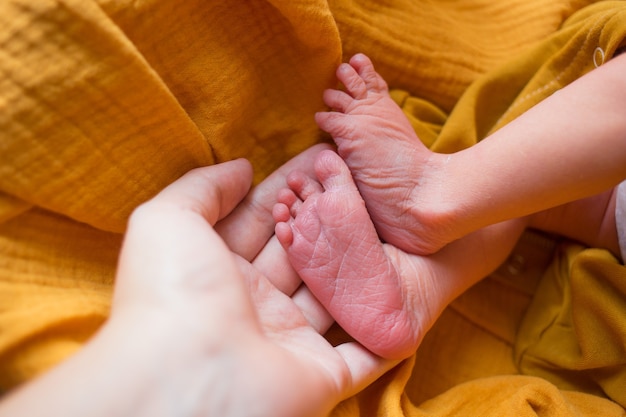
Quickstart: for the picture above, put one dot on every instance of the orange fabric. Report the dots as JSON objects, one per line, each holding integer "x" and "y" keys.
{"x": 574, "y": 334}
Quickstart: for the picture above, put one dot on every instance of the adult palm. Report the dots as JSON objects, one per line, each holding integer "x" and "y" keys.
{"x": 207, "y": 319}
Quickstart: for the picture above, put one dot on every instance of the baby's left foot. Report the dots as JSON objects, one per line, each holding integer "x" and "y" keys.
{"x": 382, "y": 297}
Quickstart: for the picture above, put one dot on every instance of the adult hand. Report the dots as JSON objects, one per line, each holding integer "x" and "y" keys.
{"x": 199, "y": 330}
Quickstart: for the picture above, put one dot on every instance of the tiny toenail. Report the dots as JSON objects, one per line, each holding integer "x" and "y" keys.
{"x": 344, "y": 67}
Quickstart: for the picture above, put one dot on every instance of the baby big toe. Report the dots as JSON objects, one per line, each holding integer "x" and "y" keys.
{"x": 303, "y": 185}
{"x": 365, "y": 68}
{"x": 333, "y": 172}
{"x": 350, "y": 78}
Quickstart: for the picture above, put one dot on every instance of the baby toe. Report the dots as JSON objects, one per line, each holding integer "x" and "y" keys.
{"x": 365, "y": 68}
{"x": 352, "y": 81}
{"x": 333, "y": 172}
{"x": 337, "y": 100}
{"x": 281, "y": 213}
{"x": 284, "y": 234}
{"x": 303, "y": 185}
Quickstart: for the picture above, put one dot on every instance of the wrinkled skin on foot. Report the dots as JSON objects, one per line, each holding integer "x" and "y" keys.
{"x": 395, "y": 173}
{"x": 383, "y": 297}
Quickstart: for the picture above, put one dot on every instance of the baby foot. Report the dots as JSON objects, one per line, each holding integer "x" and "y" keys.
{"x": 379, "y": 295}
{"x": 389, "y": 163}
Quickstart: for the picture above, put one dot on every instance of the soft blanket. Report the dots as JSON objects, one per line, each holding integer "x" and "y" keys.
{"x": 104, "y": 102}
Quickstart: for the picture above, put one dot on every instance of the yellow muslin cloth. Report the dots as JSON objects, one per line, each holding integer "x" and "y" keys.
{"x": 103, "y": 103}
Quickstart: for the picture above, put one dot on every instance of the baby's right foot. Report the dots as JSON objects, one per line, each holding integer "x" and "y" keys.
{"x": 381, "y": 296}
{"x": 391, "y": 167}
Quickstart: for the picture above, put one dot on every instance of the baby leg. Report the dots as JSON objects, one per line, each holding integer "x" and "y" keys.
{"x": 371, "y": 289}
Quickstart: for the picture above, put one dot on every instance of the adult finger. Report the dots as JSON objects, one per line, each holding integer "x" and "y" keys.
{"x": 171, "y": 249}
{"x": 213, "y": 191}
{"x": 277, "y": 310}
{"x": 273, "y": 263}
{"x": 283, "y": 281}
{"x": 364, "y": 366}
{"x": 314, "y": 312}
